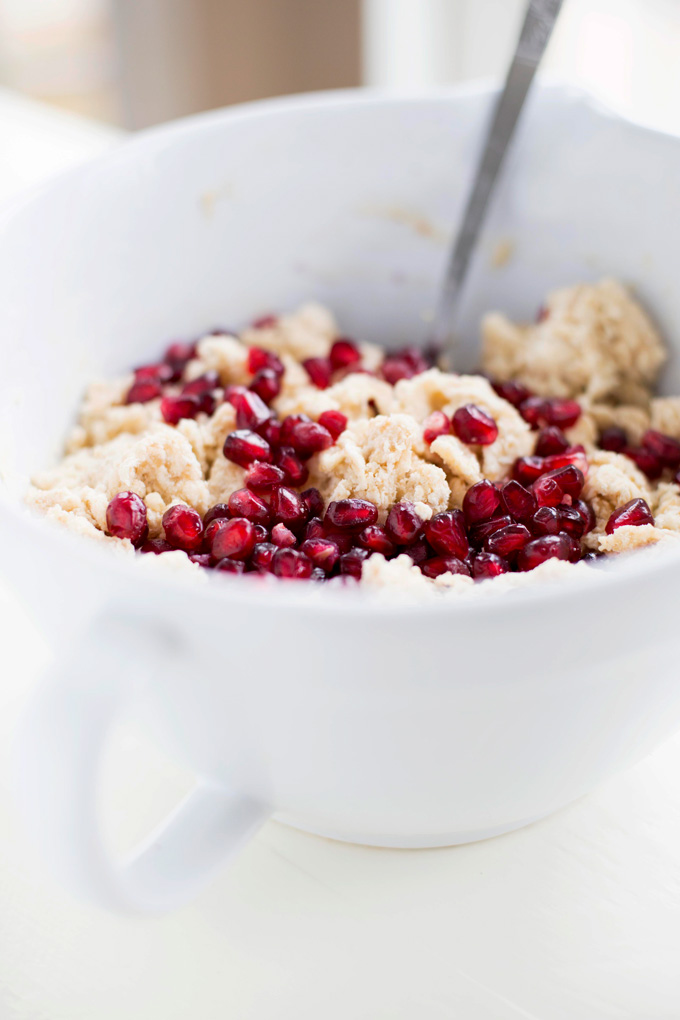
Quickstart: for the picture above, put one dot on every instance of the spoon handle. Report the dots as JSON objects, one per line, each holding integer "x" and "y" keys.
{"x": 538, "y": 24}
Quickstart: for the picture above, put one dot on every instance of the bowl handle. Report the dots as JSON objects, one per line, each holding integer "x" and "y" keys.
{"x": 59, "y": 749}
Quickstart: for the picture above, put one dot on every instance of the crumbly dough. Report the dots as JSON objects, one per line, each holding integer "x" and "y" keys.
{"x": 593, "y": 343}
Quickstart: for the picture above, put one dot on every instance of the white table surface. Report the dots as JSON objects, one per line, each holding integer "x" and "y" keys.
{"x": 574, "y": 918}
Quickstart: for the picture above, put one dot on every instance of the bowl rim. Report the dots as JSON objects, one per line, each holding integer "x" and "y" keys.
{"x": 563, "y": 592}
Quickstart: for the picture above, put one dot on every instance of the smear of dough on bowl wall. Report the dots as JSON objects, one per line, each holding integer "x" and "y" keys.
{"x": 289, "y": 451}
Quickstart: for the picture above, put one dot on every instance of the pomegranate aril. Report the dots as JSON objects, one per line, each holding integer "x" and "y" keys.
{"x": 375, "y": 538}
{"x": 439, "y": 565}
{"x": 587, "y": 514}
{"x": 351, "y": 513}
{"x": 142, "y": 392}
{"x": 315, "y": 528}
{"x": 271, "y": 431}
{"x": 183, "y": 527}
{"x": 538, "y": 411}
{"x": 323, "y": 552}
{"x": 551, "y": 440}
{"x": 527, "y": 469}
{"x": 215, "y": 512}
{"x": 291, "y": 564}
{"x": 534, "y": 410}
{"x": 414, "y": 357}
{"x": 486, "y": 565}
{"x": 575, "y": 455}
{"x": 207, "y": 403}
{"x": 436, "y": 424}
{"x": 351, "y": 563}
{"x": 314, "y": 501}
{"x": 251, "y": 410}
{"x": 547, "y": 491}
{"x": 571, "y": 521}
{"x": 288, "y": 507}
{"x": 403, "y": 524}
{"x": 305, "y": 436}
{"x": 265, "y": 322}
{"x": 345, "y": 540}
{"x": 179, "y": 353}
{"x": 334, "y": 421}
{"x": 261, "y": 478}
{"x": 344, "y": 352}
{"x": 507, "y": 541}
{"x": 472, "y": 425}
{"x": 395, "y": 368}
{"x": 283, "y": 537}
{"x": 156, "y": 546}
{"x": 262, "y": 555}
{"x": 244, "y": 503}
{"x": 203, "y": 559}
{"x": 229, "y": 566}
{"x": 518, "y": 501}
{"x": 174, "y": 409}
{"x": 317, "y": 574}
{"x": 295, "y": 472}
{"x": 319, "y": 371}
{"x": 545, "y": 548}
{"x": 514, "y": 392}
{"x": 613, "y": 439}
{"x": 479, "y": 533}
{"x": 569, "y": 478}
{"x": 648, "y": 463}
{"x": 243, "y": 447}
{"x": 446, "y": 534}
{"x": 635, "y": 512}
{"x": 234, "y": 538}
{"x": 664, "y": 447}
{"x": 267, "y": 384}
{"x": 574, "y": 547}
{"x": 261, "y": 533}
{"x": 126, "y": 518}
{"x": 419, "y": 551}
{"x": 546, "y": 521}
{"x": 203, "y": 384}
{"x": 481, "y": 501}
{"x": 158, "y": 373}
{"x": 259, "y": 359}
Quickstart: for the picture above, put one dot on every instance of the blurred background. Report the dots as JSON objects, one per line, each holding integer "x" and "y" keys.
{"x": 134, "y": 63}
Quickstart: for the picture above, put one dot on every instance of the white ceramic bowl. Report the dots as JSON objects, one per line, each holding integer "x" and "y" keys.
{"x": 396, "y": 726}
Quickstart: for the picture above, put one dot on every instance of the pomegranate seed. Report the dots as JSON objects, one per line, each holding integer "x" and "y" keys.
{"x": 446, "y": 534}
{"x": 592, "y": 557}
{"x": 343, "y": 353}
{"x": 545, "y": 548}
{"x": 317, "y": 574}
{"x": 414, "y": 357}
{"x": 538, "y": 411}
{"x": 664, "y": 448}
{"x": 319, "y": 371}
{"x": 527, "y": 469}
{"x": 513, "y": 392}
{"x": 635, "y": 512}
{"x": 234, "y": 539}
{"x": 261, "y": 478}
{"x": 575, "y": 455}
{"x": 251, "y": 410}
{"x": 243, "y": 447}
{"x": 156, "y": 546}
{"x": 291, "y": 564}
{"x": 436, "y": 424}
{"x": 126, "y": 517}
{"x": 183, "y": 527}
{"x": 215, "y": 513}
{"x": 444, "y": 565}
{"x": 547, "y": 491}
{"x": 305, "y": 436}
{"x": 143, "y": 392}
{"x": 551, "y": 440}
{"x": 481, "y": 501}
{"x": 174, "y": 409}
{"x": 587, "y": 514}
{"x": 323, "y": 552}
{"x": 403, "y": 525}
{"x": 178, "y": 353}
{"x": 394, "y": 369}
{"x": 244, "y": 503}
{"x": 267, "y": 384}
{"x": 486, "y": 564}
{"x": 569, "y": 478}
{"x": 573, "y": 547}
{"x": 613, "y": 439}
{"x": 374, "y": 537}
{"x": 334, "y": 421}
{"x": 351, "y": 563}
{"x": 259, "y": 358}
{"x": 480, "y": 532}
{"x": 571, "y": 521}
{"x": 159, "y": 373}
{"x": 271, "y": 431}
{"x": 507, "y": 541}
{"x": 314, "y": 501}
{"x": 229, "y": 566}
{"x": 419, "y": 551}
{"x": 295, "y": 472}
{"x": 288, "y": 507}
{"x": 283, "y": 537}
{"x": 315, "y": 528}
{"x": 534, "y": 410}
{"x": 203, "y": 559}
{"x": 474, "y": 426}
{"x": 204, "y": 384}
{"x": 207, "y": 403}
{"x": 546, "y": 521}
{"x": 648, "y": 463}
{"x": 343, "y": 539}
{"x": 261, "y": 556}
{"x": 261, "y": 533}
{"x": 351, "y": 513}
{"x": 265, "y": 322}
{"x": 232, "y": 390}
{"x": 518, "y": 501}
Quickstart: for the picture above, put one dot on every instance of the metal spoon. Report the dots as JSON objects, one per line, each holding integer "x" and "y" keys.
{"x": 538, "y": 24}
